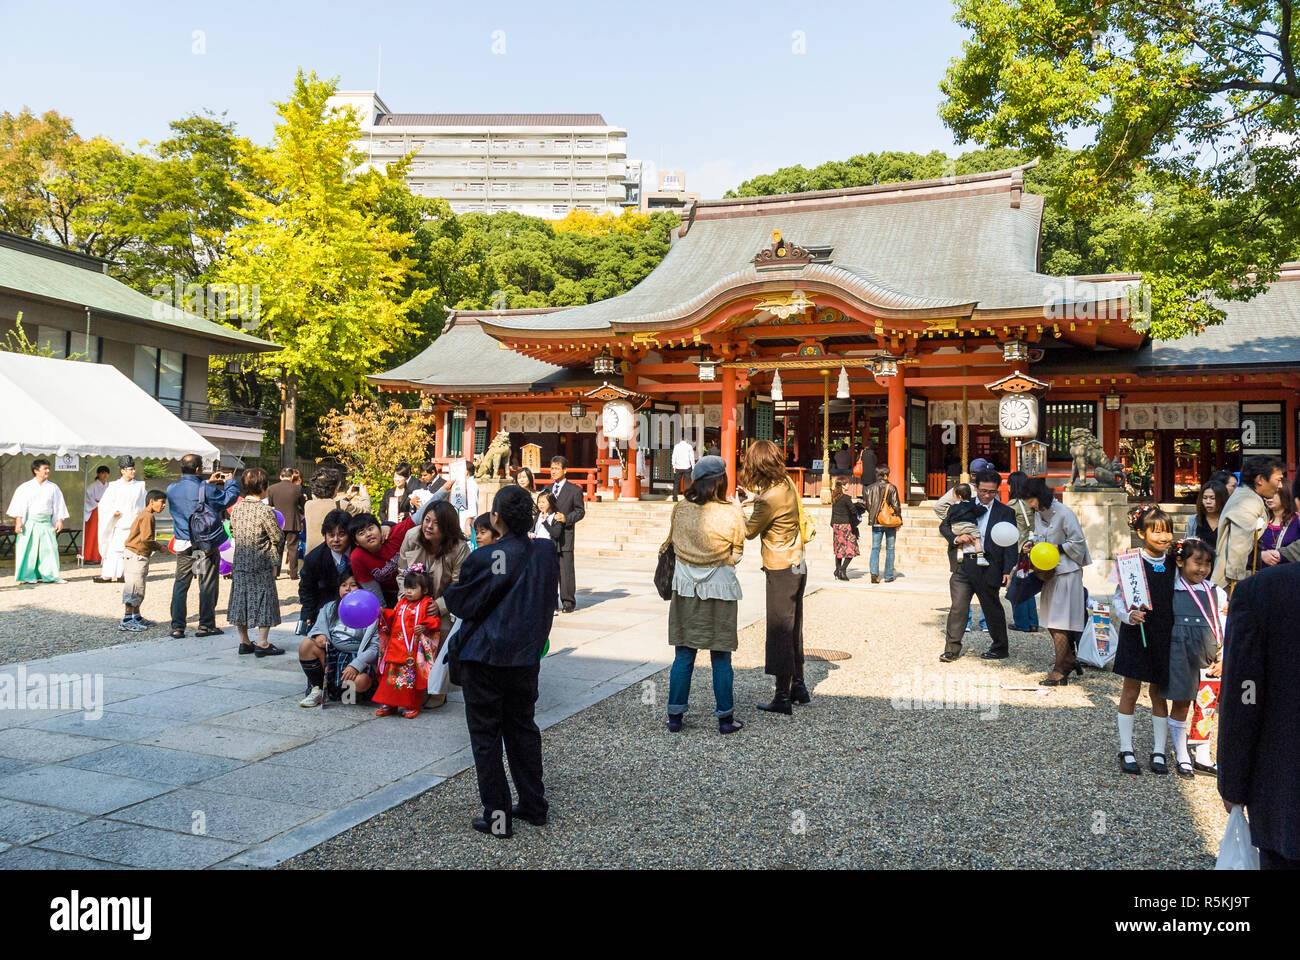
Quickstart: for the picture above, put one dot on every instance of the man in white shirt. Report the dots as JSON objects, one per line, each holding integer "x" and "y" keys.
{"x": 118, "y": 508}
{"x": 683, "y": 464}
{"x": 38, "y": 510}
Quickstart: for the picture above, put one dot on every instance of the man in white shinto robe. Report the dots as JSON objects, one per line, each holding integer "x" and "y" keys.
{"x": 118, "y": 508}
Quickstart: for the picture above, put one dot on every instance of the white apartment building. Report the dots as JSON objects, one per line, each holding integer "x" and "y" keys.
{"x": 539, "y": 164}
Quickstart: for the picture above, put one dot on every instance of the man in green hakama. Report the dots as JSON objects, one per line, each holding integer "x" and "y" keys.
{"x": 38, "y": 510}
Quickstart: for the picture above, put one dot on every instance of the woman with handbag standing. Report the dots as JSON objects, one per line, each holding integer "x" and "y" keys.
{"x": 844, "y": 529}
{"x": 1063, "y": 610}
{"x": 1024, "y": 615}
{"x": 886, "y": 513}
{"x": 776, "y": 519}
{"x": 707, "y": 534}
{"x": 505, "y": 598}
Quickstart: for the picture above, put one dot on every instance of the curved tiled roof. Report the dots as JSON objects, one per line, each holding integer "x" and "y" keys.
{"x": 963, "y": 245}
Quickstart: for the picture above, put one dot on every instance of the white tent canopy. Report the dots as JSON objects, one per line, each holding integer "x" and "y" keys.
{"x": 89, "y": 409}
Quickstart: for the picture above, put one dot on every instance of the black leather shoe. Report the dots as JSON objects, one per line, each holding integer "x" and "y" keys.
{"x": 568, "y": 609}
{"x": 1158, "y": 766}
{"x": 1130, "y": 765}
{"x": 482, "y": 826}
{"x": 780, "y": 704}
{"x": 948, "y": 657}
{"x": 1211, "y": 768}
{"x": 990, "y": 655}
{"x": 518, "y": 814}
{"x": 799, "y": 693}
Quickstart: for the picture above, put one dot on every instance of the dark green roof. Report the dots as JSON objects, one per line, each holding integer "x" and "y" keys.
{"x": 465, "y": 357}
{"x": 63, "y": 276}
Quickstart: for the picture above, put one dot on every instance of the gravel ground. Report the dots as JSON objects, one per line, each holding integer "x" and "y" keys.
{"x": 49, "y": 619}
{"x": 865, "y": 776}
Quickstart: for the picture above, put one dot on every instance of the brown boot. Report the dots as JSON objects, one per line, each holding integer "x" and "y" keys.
{"x": 875, "y": 578}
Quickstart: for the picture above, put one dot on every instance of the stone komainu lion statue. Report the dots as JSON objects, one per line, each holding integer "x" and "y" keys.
{"x": 495, "y": 458}
{"x": 1086, "y": 451}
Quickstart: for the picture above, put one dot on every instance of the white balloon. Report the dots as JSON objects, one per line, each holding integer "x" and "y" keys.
{"x": 1004, "y": 534}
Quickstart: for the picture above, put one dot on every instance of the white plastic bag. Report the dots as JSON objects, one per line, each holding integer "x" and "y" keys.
{"x": 1236, "y": 852}
{"x": 438, "y": 681}
{"x": 1100, "y": 639}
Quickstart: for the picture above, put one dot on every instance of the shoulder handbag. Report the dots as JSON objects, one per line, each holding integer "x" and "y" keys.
{"x": 666, "y": 568}
{"x": 456, "y": 640}
{"x": 886, "y": 517}
{"x": 807, "y": 529}
{"x": 857, "y": 467}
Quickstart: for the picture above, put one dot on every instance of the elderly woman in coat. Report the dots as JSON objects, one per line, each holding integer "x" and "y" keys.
{"x": 708, "y": 538}
{"x": 1062, "y": 610}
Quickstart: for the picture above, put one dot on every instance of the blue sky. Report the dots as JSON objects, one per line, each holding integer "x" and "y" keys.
{"x": 713, "y": 88}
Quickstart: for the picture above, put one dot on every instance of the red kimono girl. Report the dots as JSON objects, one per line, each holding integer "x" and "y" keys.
{"x": 408, "y": 642}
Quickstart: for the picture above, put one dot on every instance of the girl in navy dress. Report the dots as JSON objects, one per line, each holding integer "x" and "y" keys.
{"x": 1143, "y": 655}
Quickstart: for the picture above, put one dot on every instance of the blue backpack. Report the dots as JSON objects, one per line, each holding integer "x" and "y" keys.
{"x": 207, "y": 531}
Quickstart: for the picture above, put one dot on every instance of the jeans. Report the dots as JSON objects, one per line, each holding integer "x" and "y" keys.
{"x": 1024, "y": 616}
{"x": 888, "y": 533}
{"x": 679, "y": 682}
{"x": 970, "y": 618}
{"x": 194, "y": 562}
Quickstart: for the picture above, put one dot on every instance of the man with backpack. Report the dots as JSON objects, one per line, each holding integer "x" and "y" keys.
{"x": 197, "y": 509}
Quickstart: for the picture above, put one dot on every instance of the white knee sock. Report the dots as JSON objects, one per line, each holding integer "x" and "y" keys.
{"x": 1203, "y": 753}
{"x": 1125, "y": 723}
{"x": 1159, "y": 734}
{"x": 1179, "y": 733}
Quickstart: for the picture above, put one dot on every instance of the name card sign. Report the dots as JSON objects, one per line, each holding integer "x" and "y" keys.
{"x": 1131, "y": 570}
{"x": 67, "y": 461}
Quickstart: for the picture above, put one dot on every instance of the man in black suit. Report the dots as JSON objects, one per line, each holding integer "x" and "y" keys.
{"x": 568, "y": 511}
{"x": 969, "y": 578}
{"x": 288, "y": 497}
{"x": 1259, "y": 714}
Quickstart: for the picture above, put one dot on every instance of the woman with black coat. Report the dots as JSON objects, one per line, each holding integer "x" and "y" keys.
{"x": 506, "y": 600}
{"x": 844, "y": 528}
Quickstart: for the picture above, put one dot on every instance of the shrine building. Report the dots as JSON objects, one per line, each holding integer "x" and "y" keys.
{"x": 874, "y": 315}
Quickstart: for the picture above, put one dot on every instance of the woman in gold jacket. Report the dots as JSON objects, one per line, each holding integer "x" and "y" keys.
{"x": 775, "y": 518}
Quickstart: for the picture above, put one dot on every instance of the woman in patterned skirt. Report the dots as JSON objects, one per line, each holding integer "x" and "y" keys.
{"x": 256, "y": 533}
{"x": 844, "y": 529}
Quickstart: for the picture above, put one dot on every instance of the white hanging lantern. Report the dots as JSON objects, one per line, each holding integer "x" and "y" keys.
{"x": 842, "y": 388}
{"x": 776, "y": 386}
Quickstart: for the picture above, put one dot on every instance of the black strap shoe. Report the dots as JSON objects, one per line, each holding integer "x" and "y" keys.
{"x": 1129, "y": 765}
{"x": 780, "y": 704}
{"x": 1158, "y": 766}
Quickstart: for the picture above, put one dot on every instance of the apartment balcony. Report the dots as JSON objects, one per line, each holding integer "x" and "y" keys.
{"x": 235, "y": 431}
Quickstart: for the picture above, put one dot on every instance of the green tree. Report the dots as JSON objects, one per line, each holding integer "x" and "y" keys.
{"x": 1188, "y": 110}
{"x": 331, "y": 269}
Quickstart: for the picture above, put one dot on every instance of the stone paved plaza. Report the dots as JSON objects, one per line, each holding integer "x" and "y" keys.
{"x": 203, "y": 758}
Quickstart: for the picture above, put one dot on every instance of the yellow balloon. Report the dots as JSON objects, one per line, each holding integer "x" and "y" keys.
{"x": 1044, "y": 556}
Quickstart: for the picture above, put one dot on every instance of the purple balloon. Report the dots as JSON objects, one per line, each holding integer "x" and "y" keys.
{"x": 224, "y": 567}
{"x": 359, "y": 609}
{"x": 279, "y": 518}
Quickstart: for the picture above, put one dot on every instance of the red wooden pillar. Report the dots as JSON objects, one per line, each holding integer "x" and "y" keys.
{"x": 1110, "y": 432}
{"x": 1288, "y": 436}
{"x": 630, "y": 488}
{"x": 729, "y": 426}
{"x": 897, "y": 433}
{"x": 467, "y": 438}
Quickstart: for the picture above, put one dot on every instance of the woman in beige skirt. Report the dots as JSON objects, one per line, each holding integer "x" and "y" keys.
{"x": 1061, "y": 606}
